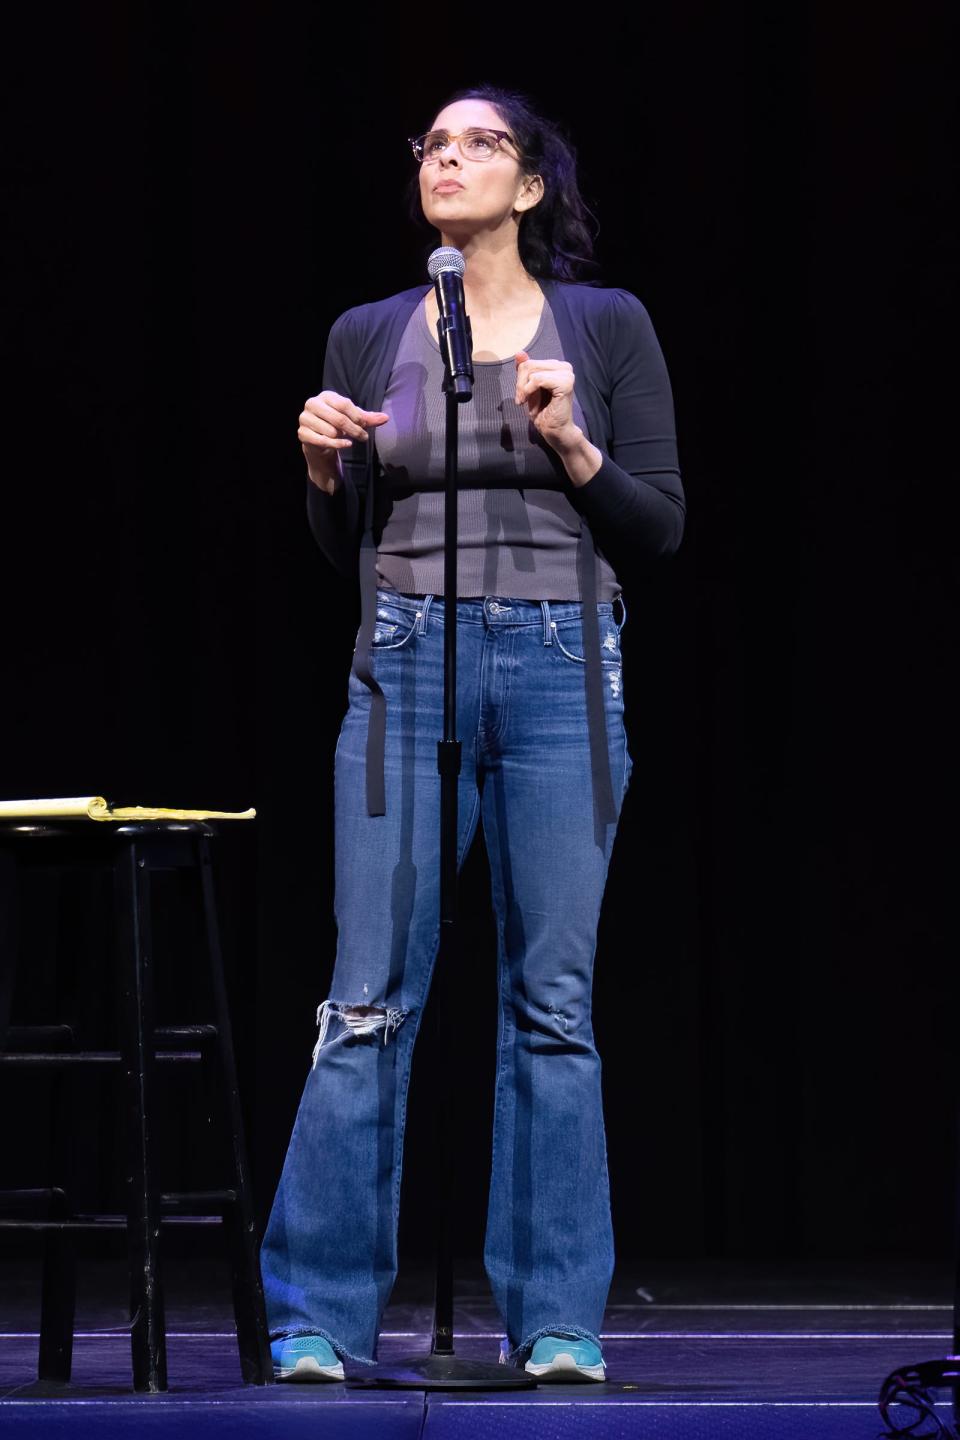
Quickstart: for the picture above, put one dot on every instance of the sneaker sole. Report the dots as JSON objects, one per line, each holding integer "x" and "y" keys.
{"x": 307, "y": 1368}
{"x": 564, "y": 1368}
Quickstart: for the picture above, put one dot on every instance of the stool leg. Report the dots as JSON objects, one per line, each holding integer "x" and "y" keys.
{"x": 87, "y": 982}
{"x": 59, "y": 1283}
{"x": 58, "y": 1297}
{"x": 9, "y": 938}
{"x": 253, "y": 1338}
{"x": 148, "y": 1337}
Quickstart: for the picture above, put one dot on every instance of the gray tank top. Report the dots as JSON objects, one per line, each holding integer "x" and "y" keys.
{"x": 518, "y": 532}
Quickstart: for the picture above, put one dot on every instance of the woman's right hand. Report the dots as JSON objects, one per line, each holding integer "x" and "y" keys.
{"x": 330, "y": 422}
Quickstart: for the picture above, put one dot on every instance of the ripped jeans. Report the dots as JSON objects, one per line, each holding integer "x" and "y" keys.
{"x": 329, "y": 1254}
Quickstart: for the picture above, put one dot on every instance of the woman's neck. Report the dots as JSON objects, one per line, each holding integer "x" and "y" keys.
{"x": 495, "y": 277}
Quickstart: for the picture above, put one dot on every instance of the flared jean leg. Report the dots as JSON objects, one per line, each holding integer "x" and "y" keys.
{"x": 329, "y": 1256}
{"x": 549, "y": 1241}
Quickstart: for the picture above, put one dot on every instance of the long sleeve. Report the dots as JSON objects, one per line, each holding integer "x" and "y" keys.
{"x": 335, "y": 519}
{"x": 636, "y": 499}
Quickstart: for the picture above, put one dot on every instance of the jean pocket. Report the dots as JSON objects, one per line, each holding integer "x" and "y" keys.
{"x": 568, "y": 635}
{"x": 394, "y": 627}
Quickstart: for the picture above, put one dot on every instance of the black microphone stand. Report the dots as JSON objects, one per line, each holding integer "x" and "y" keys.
{"x": 441, "y": 1369}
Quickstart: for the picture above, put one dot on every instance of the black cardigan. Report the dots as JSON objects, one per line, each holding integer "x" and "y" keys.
{"x": 633, "y": 503}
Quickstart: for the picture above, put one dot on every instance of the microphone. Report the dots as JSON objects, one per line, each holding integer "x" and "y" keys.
{"x": 445, "y": 268}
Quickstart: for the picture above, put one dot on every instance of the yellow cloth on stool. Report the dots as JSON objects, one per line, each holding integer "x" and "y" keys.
{"x": 94, "y": 807}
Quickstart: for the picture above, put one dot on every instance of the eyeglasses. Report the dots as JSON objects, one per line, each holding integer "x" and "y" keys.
{"x": 474, "y": 144}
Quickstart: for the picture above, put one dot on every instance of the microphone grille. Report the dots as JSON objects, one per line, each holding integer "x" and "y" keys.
{"x": 447, "y": 257}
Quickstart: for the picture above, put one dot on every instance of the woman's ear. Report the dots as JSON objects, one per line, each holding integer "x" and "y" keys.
{"x": 530, "y": 194}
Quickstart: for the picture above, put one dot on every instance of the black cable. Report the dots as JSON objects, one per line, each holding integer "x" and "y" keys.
{"x": 909, "y": 1386}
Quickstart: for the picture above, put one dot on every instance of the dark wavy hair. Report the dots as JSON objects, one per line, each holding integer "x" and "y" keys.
{"x": 555, "y": 237}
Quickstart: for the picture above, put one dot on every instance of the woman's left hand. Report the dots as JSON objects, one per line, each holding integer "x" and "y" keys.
{"x": 546, "y": 387}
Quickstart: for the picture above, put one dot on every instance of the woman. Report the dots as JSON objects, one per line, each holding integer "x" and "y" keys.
{"x": 567, "y": 459}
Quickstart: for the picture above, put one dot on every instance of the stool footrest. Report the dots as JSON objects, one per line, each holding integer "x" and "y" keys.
{"x": 201, "y": 1202}
{"x": 104, "y": 1222}
{"x": 28, "y": 1059}
{"x": 33, "y": 1045}
{"x": 201, "y": 1207}
{"x": 24, "y": 1036}
{"x": 186, "y": 1032}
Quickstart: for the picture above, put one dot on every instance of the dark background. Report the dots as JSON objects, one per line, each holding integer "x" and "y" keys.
{"x": 195, "y": 193}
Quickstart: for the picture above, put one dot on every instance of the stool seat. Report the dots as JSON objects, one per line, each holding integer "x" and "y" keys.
{"x": 133, "y": 852}
{"x": 85, "y": 829}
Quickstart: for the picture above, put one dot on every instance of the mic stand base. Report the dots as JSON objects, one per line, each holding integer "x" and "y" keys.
{"x": 444, "y": 1372}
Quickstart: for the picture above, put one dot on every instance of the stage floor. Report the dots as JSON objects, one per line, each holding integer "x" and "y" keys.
{"x": 692, "y": 1350}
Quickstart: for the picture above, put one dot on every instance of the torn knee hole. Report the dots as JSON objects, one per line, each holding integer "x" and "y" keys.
{"x": 355, "y": 1022}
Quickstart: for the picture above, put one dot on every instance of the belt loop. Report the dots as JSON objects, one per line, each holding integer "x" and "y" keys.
{"x": 424, "y": 614}
{"x": 547, "y": 635}
{"x": 623, "y": 607}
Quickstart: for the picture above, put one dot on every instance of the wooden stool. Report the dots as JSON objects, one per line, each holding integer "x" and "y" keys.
{"x": 134, "y": 853}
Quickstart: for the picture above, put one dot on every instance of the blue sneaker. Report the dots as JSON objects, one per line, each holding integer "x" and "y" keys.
{"x": 305, "y": 1357}
{"x": 560, "y": 1358}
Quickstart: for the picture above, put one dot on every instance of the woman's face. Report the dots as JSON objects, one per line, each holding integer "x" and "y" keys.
{"x": 489, "y": 192}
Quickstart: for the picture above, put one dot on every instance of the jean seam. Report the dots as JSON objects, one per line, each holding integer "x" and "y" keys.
{"x": 504, "y": 727}
{"x": 502, "y": 1041}
{"x": 399, "y": 1137}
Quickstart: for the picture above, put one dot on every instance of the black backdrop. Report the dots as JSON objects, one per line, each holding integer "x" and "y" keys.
{"x": 196, "y": 193}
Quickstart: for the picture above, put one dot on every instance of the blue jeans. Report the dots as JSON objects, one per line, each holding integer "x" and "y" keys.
{"x": 329, "y": 1255}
